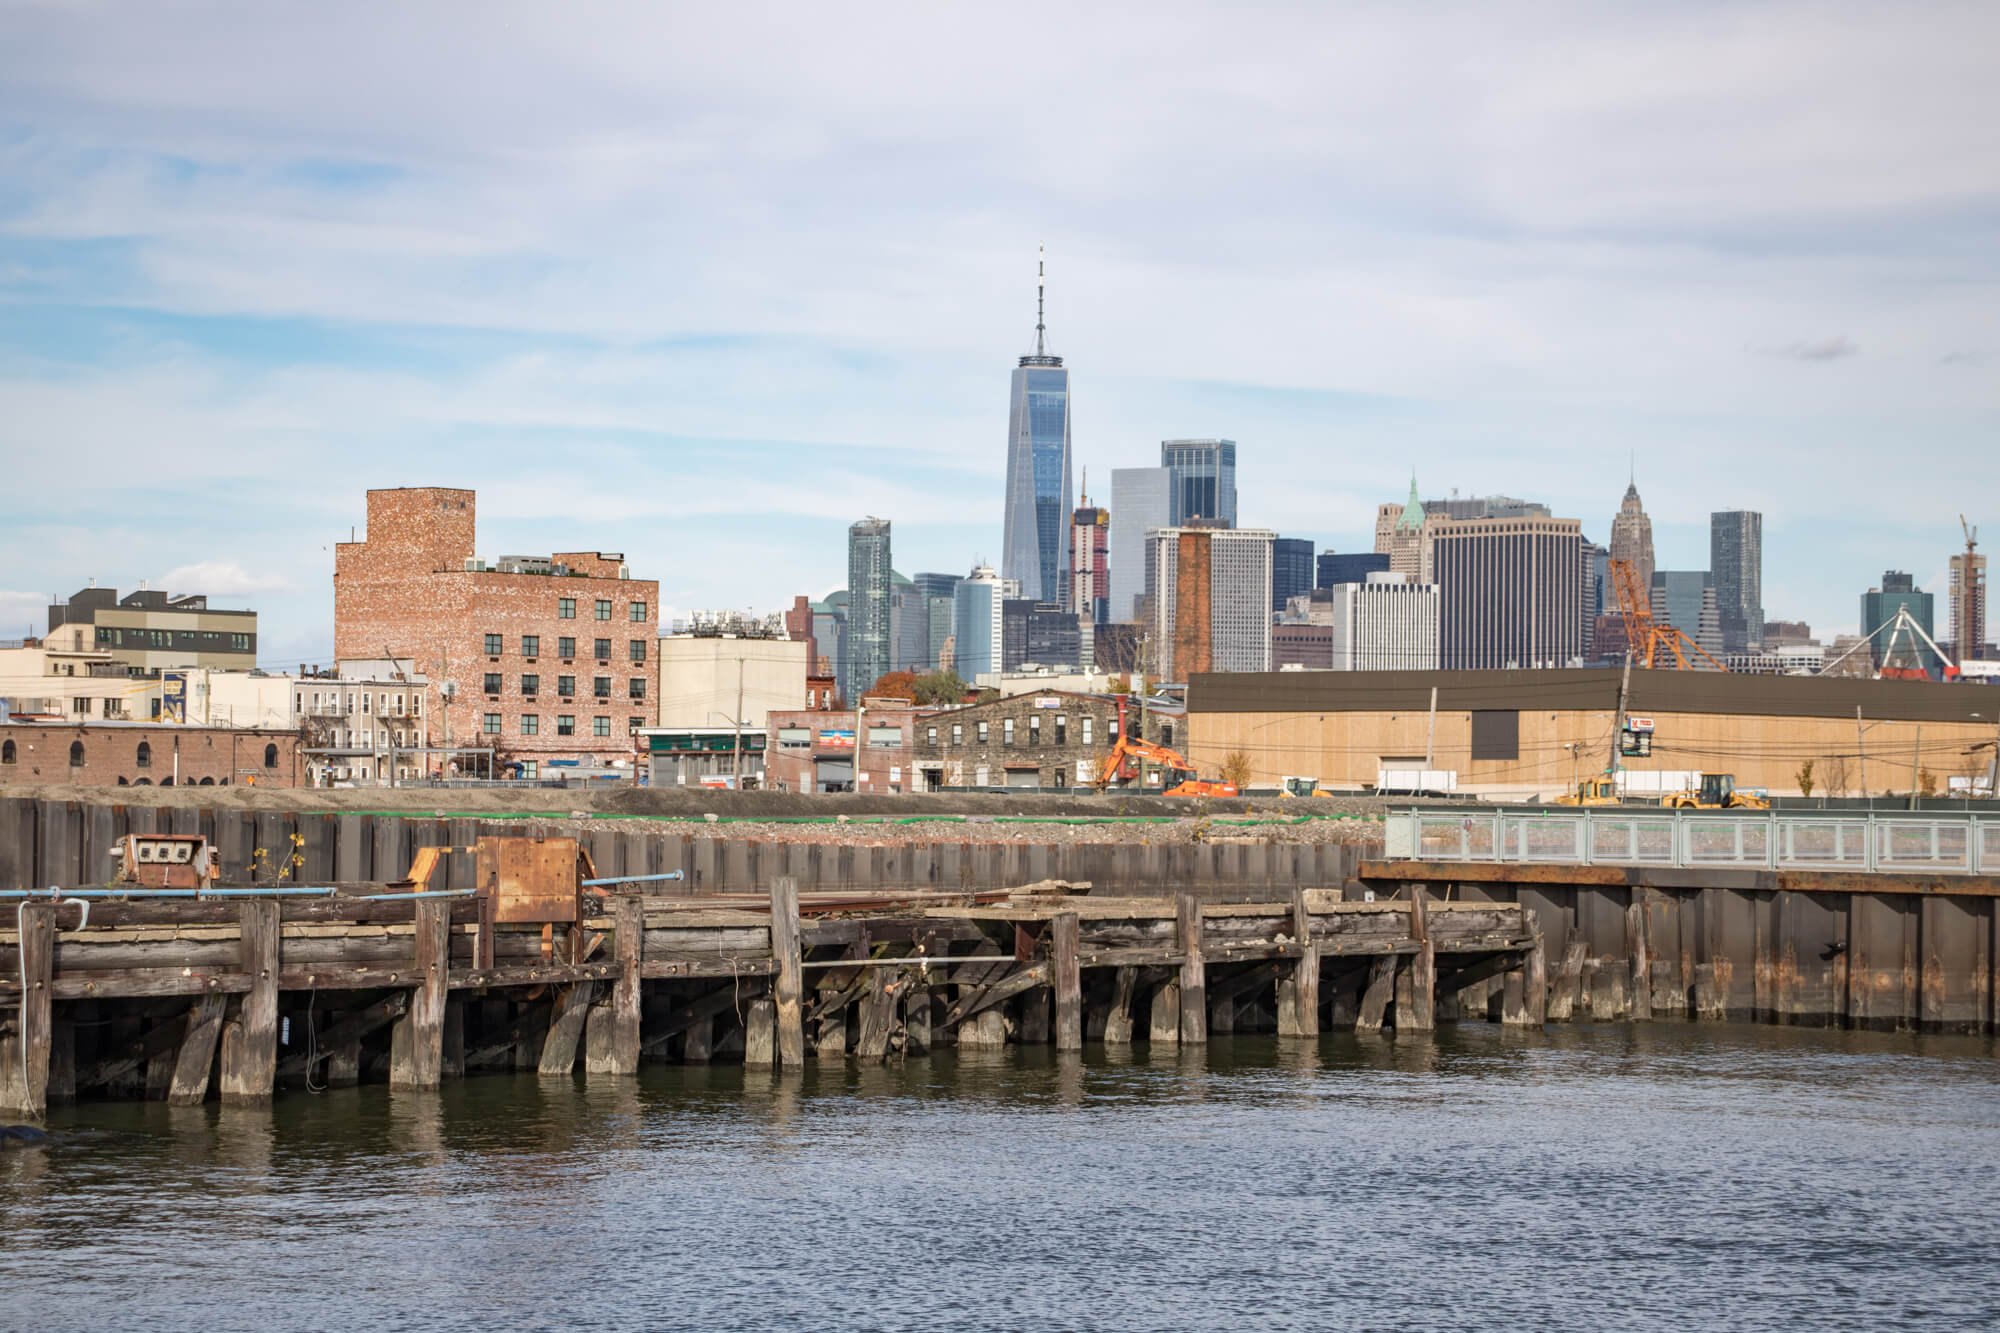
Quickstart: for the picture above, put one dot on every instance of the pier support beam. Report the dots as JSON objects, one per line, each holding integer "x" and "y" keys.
{"x": 196, "y": 1058}
{"x": 1166, "y": 1021}
{"x": 1375, "y": 996}
{"x": 1118, "y": 1020}
{"x": 878, "y": 1014}
{"x": 1422, "y": 1014}
{"x": 416, "y": 1043}
{"x": 613, "y": 1044}
{"x": 1298, "y": 994}
{"x": 1569, "y": 978}
{"x": 24, "y": 1050}
{"x": 1065, "y": 934}
{"x": 250, "y": 1041}
{"x": 789, "y": 990}
{"x": 558, "y": 1059}
{"x": 760, "y": 1034}
{"x": 1194, "y": 971}
{"x": 1642, "y": 958}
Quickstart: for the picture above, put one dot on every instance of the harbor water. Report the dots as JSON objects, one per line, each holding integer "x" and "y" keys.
{"x": 1645, "y": 1176}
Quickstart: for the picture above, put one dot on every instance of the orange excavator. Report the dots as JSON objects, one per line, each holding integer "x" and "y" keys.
{"x": 1120, "y": 766}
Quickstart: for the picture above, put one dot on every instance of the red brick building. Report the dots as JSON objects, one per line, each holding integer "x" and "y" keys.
{"x": 552, "y": 657}
{"x": 817, "y": 751}
{"x": 148, "y": 754}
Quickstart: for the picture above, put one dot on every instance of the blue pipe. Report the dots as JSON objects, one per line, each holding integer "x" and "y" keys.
{"x": 164, "y": 893}
{"x": 631, "y": 879}
{"x": 428, "y": 893}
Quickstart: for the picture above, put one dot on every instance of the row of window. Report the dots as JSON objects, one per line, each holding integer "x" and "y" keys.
{"x": 531, "y": 724}
{"x": 115, "y": 637}
{"x": 531, "y": 647}
{"x": 333, "y": 701}
{"x": 982, "y": 733}
{"x": 141, "y": 757}
{"x": 634, "y": 611}
{"x": 531, "y": 685}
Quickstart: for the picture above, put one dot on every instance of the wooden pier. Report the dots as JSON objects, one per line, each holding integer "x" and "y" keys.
{"x": 550, "y": 968}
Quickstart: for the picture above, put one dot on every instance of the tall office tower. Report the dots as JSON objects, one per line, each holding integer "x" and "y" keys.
{"x": 1035, "y": 549}
{"x": 1210, "y": 594}
{"x": 1204, "y": 481}
{"x": 1385, "y": 624}
{"x": 1334, "y": 569}
{"x": 1399, "y": 534}
{"x": 1596, "y": 589}
{"x": 869, "y": 583}
{"x": 909, "y": 625}
{"x": 1878, "y": 608}
{"x": 935, "y": 591}
{"x": 1090, "y": 562}
{"x": 977, "y": 640}
{"x": 1968, "y": 605}
{"x": 1291, "y": 570}
{"x": 1632, "y": 539}
{"x": 1685, "y": 599}
{"x": 1141, "y": 500}
{"x": 1736, "y": 558}
{"x": 1040, "y": 634}
{"x": 1511, "y": 591}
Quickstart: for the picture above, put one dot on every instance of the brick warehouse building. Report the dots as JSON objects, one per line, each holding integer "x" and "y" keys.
{"x": 552, "y": 657}
{"x": 148, "y": 754}
{"x": 1051, "y": 740}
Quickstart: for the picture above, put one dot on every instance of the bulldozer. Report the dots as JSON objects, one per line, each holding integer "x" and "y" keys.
{"x": 1591, "y": 791}
{"x": 1718, "y": 791}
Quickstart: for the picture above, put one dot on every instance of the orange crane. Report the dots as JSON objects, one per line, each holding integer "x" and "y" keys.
{"x": 1180, "y": 774}
{"x": 1645, "y": 636}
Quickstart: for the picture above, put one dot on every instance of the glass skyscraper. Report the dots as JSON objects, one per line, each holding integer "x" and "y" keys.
{"x": 1736, "y": 558}
{"x": 1035, "y": 543}
{"x": 869, "y": 585}
{"x": 1204, "y": 480}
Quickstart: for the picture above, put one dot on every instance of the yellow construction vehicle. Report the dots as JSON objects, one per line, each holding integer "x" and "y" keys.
{"x": 1301, "y": 787}
{"x": 1718, "y": 791}
{"x": 1591, "y": 791}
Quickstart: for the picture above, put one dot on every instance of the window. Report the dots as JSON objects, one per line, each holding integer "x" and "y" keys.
{"x": 531, "y": 645}
{"x": 957, "y": 733}
{"x": 565, "y": 724}
{"x": 1086, "y": 729}
{"x": 604, "y": 608}
{"x": 493, "y": 682}
{"x": 270, "y": 756}
{"x": 636, "y": 688}
{"x": 493, "y": 645}
{"x": 600, "y": 726}
{"x": 80, "y": 705}
{"x": 638, "y": 650}
{"x": 1110, "y": 730}
{"x": 531, "y": 724}
{"x": 531, "y": 685}
{"x": 789, "y": 738}
{"x": 368, "y": 703}
{"x": 600, "y": 687}
{"x": 492, "y": 727}
{"x": 634, "y": 723}
{"x": 604, "y": 650}
{"x": 1496, "y": 733}
{"x": 982, "y": 733}
{"x": 1035, "y": 729}
{"x": 565, "y": 608}
{"x": 1062, "y": 729}
{"x": 637, "y": 611}
{"x": 6, "y": 752}
{"x": 76, "y": 754}
{"x": 565, "y": 647}
{"x": 529, "y": 769}
{"x": 930, "y": 737}
{"x": 144, "y": 758}
{"x": 239, "y": 642}
{"x": 1007, "y": 731}
{"x": 566, "y": 686}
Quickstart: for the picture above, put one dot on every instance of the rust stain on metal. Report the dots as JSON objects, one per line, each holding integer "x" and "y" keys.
{"x": 531, "y": 879}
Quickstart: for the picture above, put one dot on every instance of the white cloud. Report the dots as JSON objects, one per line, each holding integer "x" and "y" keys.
{"x": 220, "y": 578}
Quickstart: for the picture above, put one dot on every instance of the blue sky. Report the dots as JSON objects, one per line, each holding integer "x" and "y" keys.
{"x": 706, "y": 286}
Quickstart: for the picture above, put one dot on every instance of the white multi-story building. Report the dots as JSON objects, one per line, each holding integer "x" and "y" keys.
{"x": 1389, "y": 623}
{"x": 365, "y": 724}
{"x": 1235, "y": 605}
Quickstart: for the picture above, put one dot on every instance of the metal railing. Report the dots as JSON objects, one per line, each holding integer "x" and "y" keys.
{"x": 1962, "y": 844}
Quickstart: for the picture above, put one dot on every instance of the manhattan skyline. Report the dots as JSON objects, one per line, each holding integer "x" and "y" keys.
{"x": 644, "y": 291}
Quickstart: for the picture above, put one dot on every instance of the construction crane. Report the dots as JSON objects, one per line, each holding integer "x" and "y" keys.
{"x": 1903, "y": 631}
{"x": 1645, "y": 636}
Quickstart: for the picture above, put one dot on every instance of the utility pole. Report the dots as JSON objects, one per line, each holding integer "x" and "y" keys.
{"x": 1916, "y": 763}
{"x": 1861, "y": 745}
{"x": 736, "y": 765}
{"x": 1430, "y": 741}
{"x": 1611, "y": 760}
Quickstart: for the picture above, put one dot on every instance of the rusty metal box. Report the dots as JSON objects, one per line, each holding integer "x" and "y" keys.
{"x": 531, "y": 879}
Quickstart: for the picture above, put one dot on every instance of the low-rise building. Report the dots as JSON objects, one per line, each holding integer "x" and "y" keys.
{"x": 705, "y": 757}
{"x": 151, "y": 630}
{"x": 727, "y": 679}
{"x": 147, "y": 754}
{"x": 818, "y": 751}
{"x": 368, "y": 724}
{"x": 1048, "y": 739}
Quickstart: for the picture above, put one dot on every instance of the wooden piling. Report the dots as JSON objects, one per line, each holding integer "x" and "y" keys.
{"x": 878, "y": 1015}
{"x": 1535, "y": 982}
{"x": 1037, "y": 1006}
{"x": 1422, "y": 1015}
{"x": 1636, "y": 936}
{"x": 250, "y": 1042}
{"x": 613, "y": 1044}
{"x": 24, "y": 1052}
{"x": 789, "y": 990}
{"x": 1375, "y": 996}
{"x": 917, "y": 1017}
{"x": 1298, "y": 994}
{"x": 196, "y": 1058}
{"x": 987, "y": 1029}
{"x": 1065, "y": 935}
{"x": 1118, "y": 1019}
{"x": 760, "y": 1034}
{"x": 416, "y": 1042}
{"x": 698, "y": 1045}
{"x": 1569, "y": 979}
{"x": 1165, "y": 1028}
{"x": 1194, "y": 971}
{"x": 572, "y": 1009}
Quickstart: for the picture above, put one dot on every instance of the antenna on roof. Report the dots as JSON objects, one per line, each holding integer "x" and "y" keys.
{"x": 1041, "y": 277}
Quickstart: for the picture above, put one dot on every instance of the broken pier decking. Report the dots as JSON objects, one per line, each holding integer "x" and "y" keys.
{"x": 151, "y": 996}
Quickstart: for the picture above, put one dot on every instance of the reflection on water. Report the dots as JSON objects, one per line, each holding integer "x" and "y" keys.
{"x": 1647, "y": 1176}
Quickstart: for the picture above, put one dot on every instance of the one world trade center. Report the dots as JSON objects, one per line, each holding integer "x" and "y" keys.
{"x": 1034, "y": 548}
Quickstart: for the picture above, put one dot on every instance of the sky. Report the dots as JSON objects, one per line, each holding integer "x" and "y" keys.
{"x": 705, "y": 284}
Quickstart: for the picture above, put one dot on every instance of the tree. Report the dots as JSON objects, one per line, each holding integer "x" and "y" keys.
{"x": 1805, "y": 776}
{"x": 1926, "y": 783}
{"x": 938, "y": 688}
{"x": 895, "y": 685}
{"x": 1836, "y": 775}
{"x": 1236, "y": 769}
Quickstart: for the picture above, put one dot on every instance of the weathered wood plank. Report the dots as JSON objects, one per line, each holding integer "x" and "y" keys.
{"x": 1118, "y": 1021}
{"x": 1422, "y": 1016}
{"x": 1064, "y": 935}
{"x": 349, "y": 1028}
{"x": 613, "y": 1046}
{"x": 789, "y": 990}
{"x": 1193, "y": 993}
{"x": 26, "y": 1049}
{"x": 1569, "y": 978}
{"x": 196, "y": 1060}
{"x": 878, "y": 1015}
{"x": 416, "y": 1044}
{"x": 1642, "y": 957}
{"x": 572, "y": 1008}
{"x": 1376, "y": 995}
{"x": 250, "y": 1040}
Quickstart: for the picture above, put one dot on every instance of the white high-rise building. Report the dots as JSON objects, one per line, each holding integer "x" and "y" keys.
{"x": 1233, "y": 630}
{"x": 1389, "y": 623}
{"x": 1141, "y": 498}
{"x": 976, "y": 633}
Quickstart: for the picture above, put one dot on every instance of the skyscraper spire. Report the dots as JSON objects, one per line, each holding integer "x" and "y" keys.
{"x": 1041, "y": 277}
